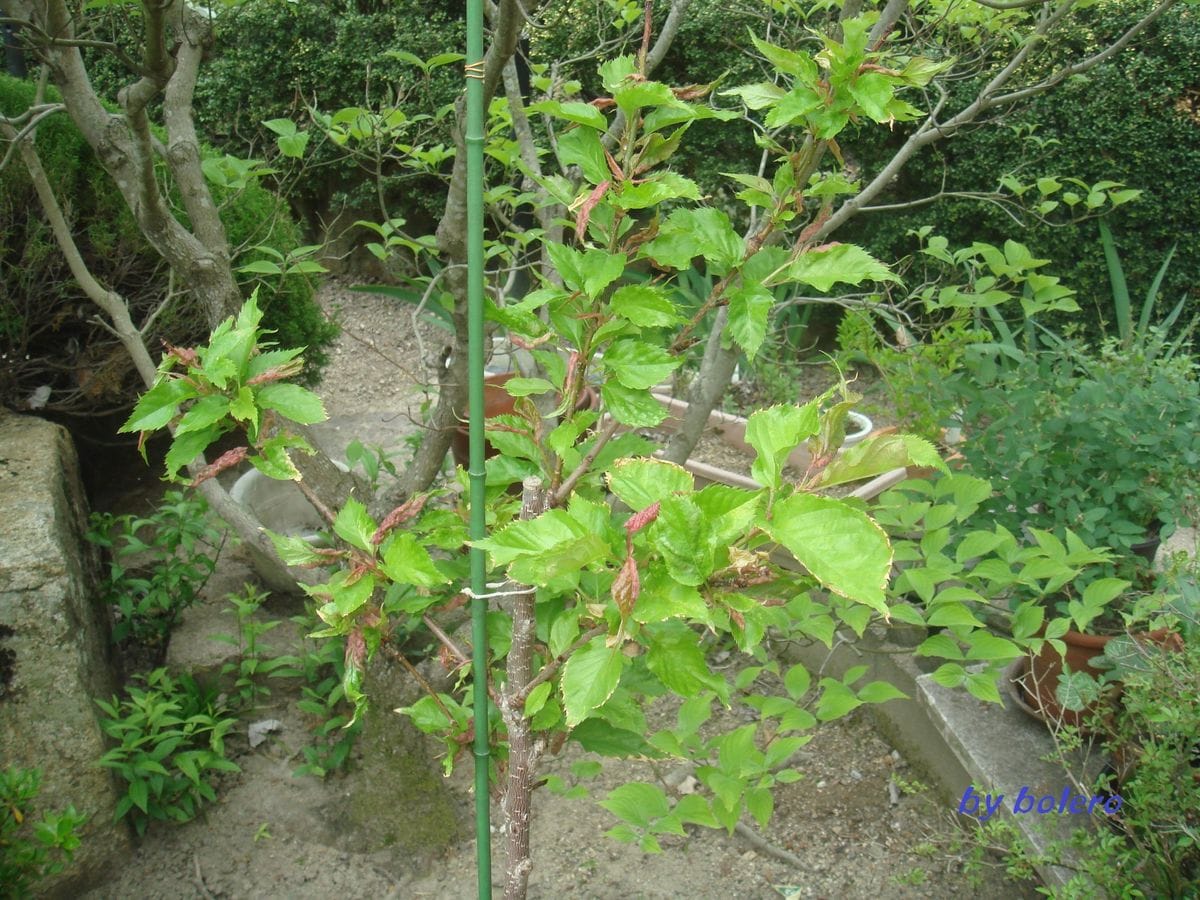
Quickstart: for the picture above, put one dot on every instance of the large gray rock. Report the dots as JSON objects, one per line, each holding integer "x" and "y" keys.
{"x": 54, "y": 641}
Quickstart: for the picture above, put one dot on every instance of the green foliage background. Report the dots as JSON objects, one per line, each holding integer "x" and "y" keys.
{"x": 271, "y": 59}
{"x": 1135, "y": 120}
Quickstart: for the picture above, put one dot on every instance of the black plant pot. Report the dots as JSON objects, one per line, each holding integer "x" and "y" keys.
{"x": 1148, "y": 548}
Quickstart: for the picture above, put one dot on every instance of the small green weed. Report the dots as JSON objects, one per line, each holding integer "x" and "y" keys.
{"x": 322, "y": 670}
{"x": 372, "y": 459}
{"x": 914, "y": 877}
{"x": 159, "y": 564}
{"x": 171, "y": 741}
{"x": 252, "y": 665}
{"x": 26, "y": 858}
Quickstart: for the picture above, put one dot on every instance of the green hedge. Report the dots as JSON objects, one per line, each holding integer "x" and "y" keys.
{"x": 272, "y": 58}
{"x": 1135, "y": 120}
{"x": 46, "y": 333}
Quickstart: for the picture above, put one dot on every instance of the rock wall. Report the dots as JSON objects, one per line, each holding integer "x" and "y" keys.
{"x": 54, "y": 641}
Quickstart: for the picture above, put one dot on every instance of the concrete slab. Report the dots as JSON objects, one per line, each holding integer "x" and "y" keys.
{"x": 1001, "y": 750}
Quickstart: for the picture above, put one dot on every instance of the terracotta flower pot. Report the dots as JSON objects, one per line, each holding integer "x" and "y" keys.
{"x": 1041, "y": 678}
{"x": 1039, "y": 681}
{"x": 498, "y": 402}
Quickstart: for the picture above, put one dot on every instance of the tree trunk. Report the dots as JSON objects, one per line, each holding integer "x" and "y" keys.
{"x": 524, "y": 750}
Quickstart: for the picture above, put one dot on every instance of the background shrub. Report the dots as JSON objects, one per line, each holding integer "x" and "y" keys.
{"x": 47, "y": 332}
{"x": 1135, "y": 120}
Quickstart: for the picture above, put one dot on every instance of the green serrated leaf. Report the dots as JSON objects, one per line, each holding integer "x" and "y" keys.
{"x": 205, "y": 412}
{"x": 842, "y": 548}
{"x": 637, "y": 803}
{"x": 774, "y": 433}
{"x": 405, "y": 561}
{"x": 880, "y": 692}
{"x": 629, "y": 406}
{"x": 645, "y": 305}
{"x": 294, "y": 551}
{"x": 749, "y": 311}
{"x": 292, "y": 402}
{"x": 832, "y": 264}
{"x": 186, "y": 447}
{"x": 159, "y": 405}
{"x": 537, "y": 698}
{"x": 589, "y": 678}
{"x": 683, "y": 536}
{"x": 641, "y": 482}
{"x": 355, "y": 526}
{"x": 675, "y": 657}
{"x": 639, "y": 365}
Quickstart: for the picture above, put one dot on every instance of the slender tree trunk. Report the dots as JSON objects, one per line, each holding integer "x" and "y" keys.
{"x": 451, "y": 237}
{"x": 524, "y": 750}
{"x": 269, "y": 566}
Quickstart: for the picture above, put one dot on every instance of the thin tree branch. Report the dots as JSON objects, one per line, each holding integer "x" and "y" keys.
{"x": 564, "y": 491}
{"x": 1090, "y": 62}
{"x": 1010, "y": 4}
{"x": 35, "y": 115}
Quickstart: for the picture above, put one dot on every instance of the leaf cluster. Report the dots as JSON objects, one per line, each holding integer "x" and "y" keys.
{"x": 32, "y": 850}
{"x": 985, "y": 596}
{"x": 1100, "y": 443}
{"x": 157, "y": 564}
{"x": 232, "y": 382}
{"x": 170, "y": 745}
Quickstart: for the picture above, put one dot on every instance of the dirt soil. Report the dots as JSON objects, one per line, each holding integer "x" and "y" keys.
{"x": 393, "y": 827}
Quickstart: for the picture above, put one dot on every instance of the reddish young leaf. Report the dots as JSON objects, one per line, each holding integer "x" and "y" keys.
{"x": 409, "y": 509}
{"x": 626, "y": 586}
{"x": 613, "y": 167}
{"x": 585, "y": 211}
{"x": 185, "y": 355}
{"x": 278, "y": 373}
{"x": 640, "y": 520}
{"x": 356, "y": 649}
{"x": 226, "y": 460}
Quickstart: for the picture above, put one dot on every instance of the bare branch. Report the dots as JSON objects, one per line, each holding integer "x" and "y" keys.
{"x": 34, "y": 115}
{"x": 564, "y": 491}
{"x": 1010, "y": 4}
{"x": 887, "y": 21}
{"x": 112, "y": 303}
{"x": 1090, "y": 62}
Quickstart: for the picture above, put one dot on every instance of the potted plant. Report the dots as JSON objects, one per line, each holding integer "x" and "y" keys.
{"x": 1151, "y": 791}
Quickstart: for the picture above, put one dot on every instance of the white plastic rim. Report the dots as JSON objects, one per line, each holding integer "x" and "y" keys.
{"x": 278, "y": 505}
{"x": 858, "y": 427}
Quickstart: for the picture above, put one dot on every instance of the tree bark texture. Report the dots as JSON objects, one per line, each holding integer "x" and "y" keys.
{"x": 125, "y": 147}
{"x": 523, "y": 749}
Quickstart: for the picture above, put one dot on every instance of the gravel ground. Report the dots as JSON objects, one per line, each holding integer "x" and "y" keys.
{"x": 836, "y": 833}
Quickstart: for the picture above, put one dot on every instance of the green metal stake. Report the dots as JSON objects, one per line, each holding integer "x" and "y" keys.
{"x": 475, "y": 399}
